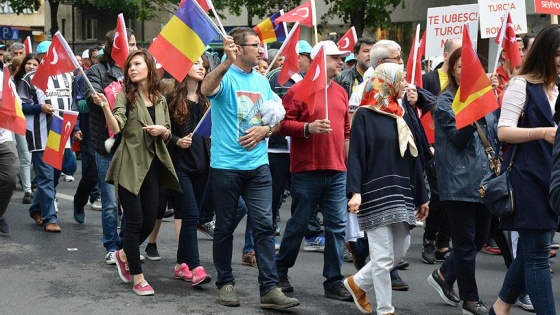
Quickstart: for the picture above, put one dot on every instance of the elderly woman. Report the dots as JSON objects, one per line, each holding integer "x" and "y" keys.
{"x": 385, "y": 184}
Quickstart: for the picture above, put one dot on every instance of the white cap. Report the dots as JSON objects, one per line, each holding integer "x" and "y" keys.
{"x": 85, "y": 54}
{"x": 330, "y": 49}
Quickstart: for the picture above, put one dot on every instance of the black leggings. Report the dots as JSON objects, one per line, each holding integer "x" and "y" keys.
{"x": 140, "y": 213}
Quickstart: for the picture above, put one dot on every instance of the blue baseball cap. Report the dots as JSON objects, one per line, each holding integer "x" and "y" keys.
{"x": 350, "y": 58}
{"x": 43, "y": 47}
{"x": 303, "y": 47}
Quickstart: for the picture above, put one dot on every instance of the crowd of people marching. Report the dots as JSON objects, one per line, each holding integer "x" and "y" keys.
{"x": 361, "y": 159}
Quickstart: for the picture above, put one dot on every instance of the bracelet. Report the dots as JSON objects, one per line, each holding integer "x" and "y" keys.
{"x": 306, "y": 130}
{"x": 544, "y": 133}
{"x": 269, "y": 133}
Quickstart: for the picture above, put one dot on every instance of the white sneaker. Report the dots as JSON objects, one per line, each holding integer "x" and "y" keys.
{"x": 110, "y": 258}
{"x": 56, "y": 205}
{"x": 69, "y": 178}
{"x": 96, "y": 205}
{"x": 142, "y": 258}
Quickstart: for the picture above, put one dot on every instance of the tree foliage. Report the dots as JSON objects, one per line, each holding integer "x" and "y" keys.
{"x": 359, "y": 13}
{"x": 362, "y": 13}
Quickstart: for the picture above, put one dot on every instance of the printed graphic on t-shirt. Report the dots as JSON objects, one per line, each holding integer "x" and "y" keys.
{"x": 248, "y": 108}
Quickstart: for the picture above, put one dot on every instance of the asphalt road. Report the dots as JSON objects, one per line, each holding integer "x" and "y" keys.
{"x": 65, "y": 273}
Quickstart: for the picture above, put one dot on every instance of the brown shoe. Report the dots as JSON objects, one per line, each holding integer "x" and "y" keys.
{"x": 249, "y": 259}
{"x": 37, "y": 217}
{"x": 53, "y": 228}
{"x": 360, "y": 297}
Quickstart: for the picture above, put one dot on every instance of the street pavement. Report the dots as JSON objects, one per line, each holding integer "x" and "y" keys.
{"x": 42, "y": 273}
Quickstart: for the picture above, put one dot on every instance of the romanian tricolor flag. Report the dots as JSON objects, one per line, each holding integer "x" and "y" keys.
{"x": 183, "y": 40}
{"x": 59, "y": 133}
{"x": 475, "y": 97}
{"x": 11, "y": 115}
{"x": 268, "y": 32}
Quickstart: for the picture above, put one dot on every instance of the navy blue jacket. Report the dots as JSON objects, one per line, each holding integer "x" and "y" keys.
{"x": 531, "y": 170}
{"x": 461, "y": 160}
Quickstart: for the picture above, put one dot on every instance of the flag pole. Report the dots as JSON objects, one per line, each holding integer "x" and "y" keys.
{"x": 219, "y": 21}
{"x": 326, "y": 86}
{"x": 314, "y": 19}
{"x": 501, "y": 39}
{"x": 282, "y": 47}
{"x": 416, "y": 47}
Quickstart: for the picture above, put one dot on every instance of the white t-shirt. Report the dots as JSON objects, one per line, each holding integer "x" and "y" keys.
{"x": 514, "y": 100}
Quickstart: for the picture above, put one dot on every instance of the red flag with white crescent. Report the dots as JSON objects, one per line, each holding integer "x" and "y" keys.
{"x": 119, "y": 52}
{"x": 304, "y": 14}
{"x": 58, "y": 59}
{"x": 348, "y": 40}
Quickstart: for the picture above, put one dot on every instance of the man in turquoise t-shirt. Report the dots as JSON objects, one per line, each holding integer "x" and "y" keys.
{"x": 239, "y": 164}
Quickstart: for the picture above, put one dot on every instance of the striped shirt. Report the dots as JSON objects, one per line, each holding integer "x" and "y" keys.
{"x": 59, "y": 93}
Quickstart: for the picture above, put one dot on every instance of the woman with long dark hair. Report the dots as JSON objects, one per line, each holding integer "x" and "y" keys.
{"x": 461, "y": 163}
{"x": 29, "y": 63}
{"x": 191, "y": 158}
{"x": 141, "y": 163}
{"x": 532, "y": 131}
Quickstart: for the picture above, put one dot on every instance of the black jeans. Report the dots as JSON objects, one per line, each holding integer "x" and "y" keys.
{"x": 140, "y": 213}
{"x": 436, "y": 227}
{"x": 280, "y": 171}
{"x": 187, "y": 207}
{"x": 470, "y": 224}
{"x": 88, "y": 182}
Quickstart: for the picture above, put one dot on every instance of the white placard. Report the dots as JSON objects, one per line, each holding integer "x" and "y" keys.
{"x": 492, "y": 12}
{"x": 445, "y": 23}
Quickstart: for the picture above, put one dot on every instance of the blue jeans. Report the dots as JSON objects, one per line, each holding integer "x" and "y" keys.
{"x": 531, "y": 269}
{"x": 470, "y": 225}
{"x": 249, "y": 245}
{"x": 309, "y": 189}
{"x": 255, "y": 186}
{"x": 47, "y": 180}
{"x": 111, "y": 239}
{"x": 187, "y": 208}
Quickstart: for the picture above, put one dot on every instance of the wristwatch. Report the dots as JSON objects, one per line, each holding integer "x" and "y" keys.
{"x": 269, "y": 132}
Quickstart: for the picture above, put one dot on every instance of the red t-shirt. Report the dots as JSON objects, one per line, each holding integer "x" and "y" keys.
{"x": 317, "y": 151}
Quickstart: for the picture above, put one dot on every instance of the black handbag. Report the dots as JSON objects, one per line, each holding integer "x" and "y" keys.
{"x": 495, "y": 188}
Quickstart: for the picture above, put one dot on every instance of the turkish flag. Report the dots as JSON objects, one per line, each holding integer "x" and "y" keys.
{"x": 27, "y": 45}
{"x": 206, "y": 5}
{"x": 314, "y": 82}
{"x": 59, "y": 59}
{"x": 348, "y": 40}
{"x": 304, "y": 14}
{"x": 291, "y": 56}
{"x": 11, "y": 115}
{"x": 421, "y": 47}
{"x": 508, "y": 41}
{"x": 119, "y": 53}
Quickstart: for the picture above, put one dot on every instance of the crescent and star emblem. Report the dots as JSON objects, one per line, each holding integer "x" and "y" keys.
{"x": 317, "y": 73}
{"x": 55, "y": 56}
{"x": 115, "y": 41}
{"x": 306, "y": 14}
{"x": 345, "y": 43}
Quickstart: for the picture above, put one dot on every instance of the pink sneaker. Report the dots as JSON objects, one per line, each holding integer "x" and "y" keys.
{"x": 199, "y": 276}
{"x": 184, "y": 273}
{"x": 122, "y": 267}
{"x": 143, "y": 288}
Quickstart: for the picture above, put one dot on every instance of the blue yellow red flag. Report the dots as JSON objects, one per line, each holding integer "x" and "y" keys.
{"x": 268, "y": 32}
{"x": 183, "y": 40}
{"x": 475, "y": 97}
{"x": 59, "y": 133}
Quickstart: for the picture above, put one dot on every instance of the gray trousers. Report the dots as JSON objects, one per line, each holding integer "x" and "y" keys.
{"x": 9, "y": 166}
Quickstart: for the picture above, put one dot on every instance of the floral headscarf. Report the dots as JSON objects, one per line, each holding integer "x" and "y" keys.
{"x": 380, "y": 95}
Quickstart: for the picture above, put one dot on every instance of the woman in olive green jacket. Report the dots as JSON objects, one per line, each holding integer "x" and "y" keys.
{"x": 141, "y": 163}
